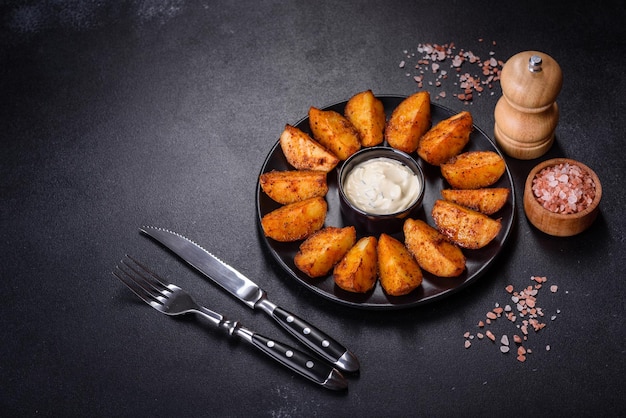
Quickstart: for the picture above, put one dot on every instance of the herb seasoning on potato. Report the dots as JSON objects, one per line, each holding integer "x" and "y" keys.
{"x": 465, "y": 227}
{"x": 408, "y": 122}
{"x": 293, "y": 186}
{"x": 473, "y": 169}
{"x": 358, "y": 269}
{"x": 319, "y": 253}
{"x": 334, "y": 132}
{"x": 295, "y": 221}
{"x": 304, "y": 153}
{"x": 399, "y": 272}
{"x": 367, "y": 114}
{"x": 446, "y": 139}
{"x": 433, "y": 252}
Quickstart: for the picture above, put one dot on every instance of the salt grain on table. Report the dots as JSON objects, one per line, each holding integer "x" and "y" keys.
{"x": 526, "y": 303}
{"x": 434, "y": 55}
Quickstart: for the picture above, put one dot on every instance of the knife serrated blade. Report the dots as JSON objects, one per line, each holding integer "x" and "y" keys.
{"x": 252, "y": 295}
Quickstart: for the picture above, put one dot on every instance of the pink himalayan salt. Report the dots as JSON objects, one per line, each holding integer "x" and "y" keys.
{"x": 564, "y": 188}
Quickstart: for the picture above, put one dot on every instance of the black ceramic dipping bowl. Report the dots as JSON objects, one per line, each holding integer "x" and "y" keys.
{"x": 378, "y": 223}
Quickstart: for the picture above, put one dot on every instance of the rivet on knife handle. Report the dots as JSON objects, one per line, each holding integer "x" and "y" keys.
{"x": 315, "y": 370}
{"x": 316, "y": 340}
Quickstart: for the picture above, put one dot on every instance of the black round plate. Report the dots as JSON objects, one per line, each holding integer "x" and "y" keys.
{"x": 432, "y": 287}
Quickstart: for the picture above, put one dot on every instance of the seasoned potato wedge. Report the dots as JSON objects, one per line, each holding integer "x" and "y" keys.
{"x": 446, "y": 139}
{"x": 465, "y": 227}
{"x": 304, "y": 153}
{"x": 399, "y": 272}
{"x": 334, "y": 132}
{"x": 358, "y": 269}
{"x": 473, "y": 169}
{"x": 367, "y": 115}
{"x": 322, "y": 250}
{"x": 293, "y": 186}
{"x": 487, "y": 201}
{"x": 408, "y": 122}
{"x": 433, "y": 252}
{"x": 295, "y": 221}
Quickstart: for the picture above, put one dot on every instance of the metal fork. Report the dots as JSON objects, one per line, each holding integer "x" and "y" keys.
{"x": 172, "y": 300}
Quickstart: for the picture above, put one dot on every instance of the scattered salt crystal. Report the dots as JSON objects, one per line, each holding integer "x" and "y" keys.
{"x": 526, "y": 303}
{"x": 432, "y": 56}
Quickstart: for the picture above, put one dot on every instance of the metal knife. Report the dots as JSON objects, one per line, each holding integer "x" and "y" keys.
{"x": 252, "y": 295}
{"x": 170, "y": 299}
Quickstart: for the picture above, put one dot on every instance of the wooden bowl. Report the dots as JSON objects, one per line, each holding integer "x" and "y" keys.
{"x": 559, "y": 224}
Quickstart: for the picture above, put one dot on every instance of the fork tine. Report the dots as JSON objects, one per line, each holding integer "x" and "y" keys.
{"x": 146, "y": 274}
{"x": 130, "y": 282}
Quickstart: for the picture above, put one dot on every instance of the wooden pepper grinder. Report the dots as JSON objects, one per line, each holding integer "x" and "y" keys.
{"x": 527, "y": 114}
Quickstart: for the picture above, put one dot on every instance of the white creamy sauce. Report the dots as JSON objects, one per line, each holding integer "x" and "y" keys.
{"x": 382, "y": 186}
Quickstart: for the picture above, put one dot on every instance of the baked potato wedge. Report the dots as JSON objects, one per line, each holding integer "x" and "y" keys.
{"x": 408, "y": 122}
{"x": 358, "y": 269}
{"x": 322, "y": 250}
{"x": 293, "y": 186}
{"x": 487, "y": 200}
{"x": 465, "y": 227}
{"x": 334, "y": 132}
{"x": 446, "y": 139}
{"x": 295, "y": 221}
{"x": 304, "y": 153}
{"x": 398, "y": 271}
{"x": 433, "y": 252}
{"x": 367, "y": 115}
{"x": 473, "y": 169}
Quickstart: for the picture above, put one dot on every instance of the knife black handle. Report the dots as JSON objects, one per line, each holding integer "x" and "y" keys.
{"x": 316, "y": 340}
{"x": 313, "y": 369}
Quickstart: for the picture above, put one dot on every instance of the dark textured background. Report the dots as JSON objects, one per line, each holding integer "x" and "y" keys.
{"x": 120, "y": 114}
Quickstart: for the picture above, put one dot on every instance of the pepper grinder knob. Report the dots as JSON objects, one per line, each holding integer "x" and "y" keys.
{"x": 526, "y": 115}
{"x": 534, "y": 63}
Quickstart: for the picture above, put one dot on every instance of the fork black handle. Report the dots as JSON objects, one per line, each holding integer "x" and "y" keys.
{"x": 315, "y": 370}
{"x": 316, "y": 340}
